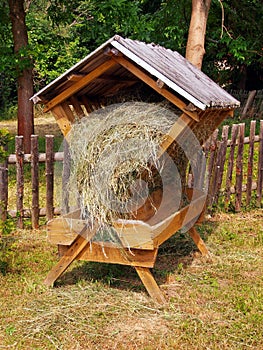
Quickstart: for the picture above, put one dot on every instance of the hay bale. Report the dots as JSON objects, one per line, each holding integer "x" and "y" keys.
{"x": 115, "y": 165}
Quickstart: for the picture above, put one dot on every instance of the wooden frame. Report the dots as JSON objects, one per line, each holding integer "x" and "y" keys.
{"x": 139, "y": 241}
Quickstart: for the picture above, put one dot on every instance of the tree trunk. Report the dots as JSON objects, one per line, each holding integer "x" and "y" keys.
{"x": 196, "y": 38}
{"x": 24, "y": 68}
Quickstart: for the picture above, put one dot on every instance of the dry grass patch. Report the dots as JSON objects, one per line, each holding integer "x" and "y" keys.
{"x": 212, "y": 303}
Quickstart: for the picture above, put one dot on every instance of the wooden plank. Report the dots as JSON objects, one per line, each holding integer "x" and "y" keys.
{"x": 62, "y": 119}
{"x": 49, "y": 176}
{"x": 3, "y": 188}
{"x": 212, "y": 168}
{"x": 260, "y": 166}
{"x": 239, "y": 167}
{"x": 229, "y": 174}
{"x": 80, "y": 84}
{"x": 153, "y": 84}
{"x": 221, "y": 157}
{"x": 77, "y": 106}
{"x": 250, "y": 162}
{"x": 171, "y": 225}
{"x": 108, "y": 253}
{"x": 71, "y": 254}
{"x": 150, "y": 284}
{"x": 87, "y": 104}
{"x": 35, "y": 181}
{"x": 176, "y": 130}
{"x": 198, "y": 241}
{"x": 19, "y": 179}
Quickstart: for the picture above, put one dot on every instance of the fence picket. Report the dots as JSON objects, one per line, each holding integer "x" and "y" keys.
{"x": 250, "y": 162}
{"x": 35, "y": 181}
{"x": 3, "y": 188}
{"x": 239, "y": 167}
{"x": 19, "y": 179}
{"x": 229, "y": 174}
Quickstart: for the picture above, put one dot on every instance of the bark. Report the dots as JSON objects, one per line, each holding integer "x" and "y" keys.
{"x": 25, "y": 75}
{"x": 195, "y": 48}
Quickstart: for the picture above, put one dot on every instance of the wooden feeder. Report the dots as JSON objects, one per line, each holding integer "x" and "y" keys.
{"x": 125, "y": 65}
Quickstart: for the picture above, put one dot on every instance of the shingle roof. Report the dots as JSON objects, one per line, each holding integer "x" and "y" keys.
{"x": 169, "y": 66}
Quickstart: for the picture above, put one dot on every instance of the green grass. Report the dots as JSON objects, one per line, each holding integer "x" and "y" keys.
{"x": 211, "y": 303}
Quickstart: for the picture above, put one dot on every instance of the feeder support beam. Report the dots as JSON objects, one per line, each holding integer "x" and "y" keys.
{"x": 79, "y": 85}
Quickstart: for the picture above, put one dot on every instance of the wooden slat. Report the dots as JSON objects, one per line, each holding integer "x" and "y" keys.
{"x": 229, "y": 174}
{"x": 77, "y": 106}
{"x": 19, "y": 179}
{"x": 260, "y": 166}
{"x": 71, "y": 254}
{"x": 153, "y": 84}
{"x": 250, "y": 162}
{"x": 108, "y": 253}
{"x": 170, "y": 226}
{"x": 212, "y": 168}
{"x": 221, "y": 157}
{"x": 35, "y": 181}
{"x": 79, "y": 85}
{"x": 62, "y": 119}
{"x": 239, "y": 167}
{"x": 150, "y": 284}
{"x": 3, "y": 188}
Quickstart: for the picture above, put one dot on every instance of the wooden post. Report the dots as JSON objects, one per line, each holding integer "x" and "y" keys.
{"x": 250, "y": 162}
{"x": 150, "y": 284}
{"x": 3, "y": 189}
{"x": 230, "y": 166}
{"x": 239, "y": 167}
{"x": 221, "y": 157}
{"x": 260, "y": 166}
{"x": 19, "y": 179}
{"x": 49, "y": 176}
{"x": 211, "y": 167}
{"x": 35, "y": 181}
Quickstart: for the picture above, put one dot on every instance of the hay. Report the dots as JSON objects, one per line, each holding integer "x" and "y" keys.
{"x": 114, "y": 156}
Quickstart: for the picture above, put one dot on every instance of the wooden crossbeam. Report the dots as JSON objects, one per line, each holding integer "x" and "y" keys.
{"x": 80, "y": 84}
{"x": 155, "y": 85}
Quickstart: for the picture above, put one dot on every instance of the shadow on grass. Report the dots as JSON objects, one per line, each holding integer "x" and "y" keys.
{"x": 174, "y": 255}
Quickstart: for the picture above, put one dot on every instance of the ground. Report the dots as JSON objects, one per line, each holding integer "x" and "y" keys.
{"x": 211, "y": 303}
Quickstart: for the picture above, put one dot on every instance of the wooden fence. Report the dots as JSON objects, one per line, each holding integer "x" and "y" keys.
{"x": 234, "y": 164}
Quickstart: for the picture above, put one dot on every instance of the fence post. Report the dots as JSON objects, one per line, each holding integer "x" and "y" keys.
{"x": 250, "y": 161}
{"x": 212, "y": 168}
{"x": 49, "y": 176}
{"x": 260, "y": 165}
{"x": 19, "y": 179}
{"x": 221, "y": 157}
{"x": 4, "y": 188}
{"x": 239, "y": 167}
{"x": 35, "y": 181}
{"x": 229, "y": 174}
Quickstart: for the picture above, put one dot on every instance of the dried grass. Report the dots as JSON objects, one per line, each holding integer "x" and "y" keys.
{"x": 114, "y": 156}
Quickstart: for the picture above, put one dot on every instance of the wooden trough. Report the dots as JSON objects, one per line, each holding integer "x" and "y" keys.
{"x": 101, "y": 78}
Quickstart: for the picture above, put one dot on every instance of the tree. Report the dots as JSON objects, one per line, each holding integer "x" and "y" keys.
{"x": 24, "y": 71}
{"x": 195, "y": 49}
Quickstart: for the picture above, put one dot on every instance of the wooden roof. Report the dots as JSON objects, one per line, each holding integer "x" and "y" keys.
{"x": 168, "y": 68}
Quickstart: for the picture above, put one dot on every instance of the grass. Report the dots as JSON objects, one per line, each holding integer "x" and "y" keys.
{"x": 211, "y": 303}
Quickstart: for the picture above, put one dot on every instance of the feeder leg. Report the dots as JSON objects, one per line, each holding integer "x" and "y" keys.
{"x": 150, "y": 284}
{"x": 198, "y": 241}
{"x": 73, "y": 251}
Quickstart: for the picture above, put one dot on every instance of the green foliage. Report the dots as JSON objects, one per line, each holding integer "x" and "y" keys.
{"x": 5, "y": 138}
